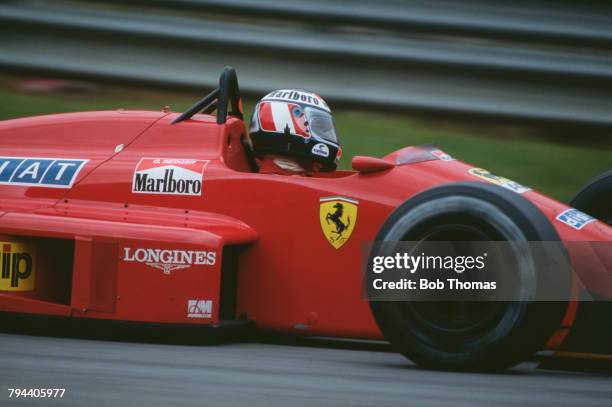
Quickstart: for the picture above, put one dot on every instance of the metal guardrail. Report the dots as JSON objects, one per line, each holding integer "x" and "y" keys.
{"x": 514, "y": 61}
{"x": 515, "y": 20}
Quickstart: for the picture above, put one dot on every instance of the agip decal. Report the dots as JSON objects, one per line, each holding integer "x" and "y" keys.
{"x": 40, "y": 172}
{"x": 169, "y": 176}
{"x": 497, "y": 180}
{"x": 17, "y": 266}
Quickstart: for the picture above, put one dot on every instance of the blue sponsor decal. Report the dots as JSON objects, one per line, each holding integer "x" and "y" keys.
{"x": 8, "y": 167}
{"x": 574, "y": 218}
{"x": 42, "y": 172}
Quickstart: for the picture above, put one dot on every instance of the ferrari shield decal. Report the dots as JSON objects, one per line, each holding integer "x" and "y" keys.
{"x": 338, "y": 217}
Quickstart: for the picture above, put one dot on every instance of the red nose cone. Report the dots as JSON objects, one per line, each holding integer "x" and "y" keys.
{"x": 370, "y": 164}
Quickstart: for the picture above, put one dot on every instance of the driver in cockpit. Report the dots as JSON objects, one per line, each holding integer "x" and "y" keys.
{"x": 293, "y": 133}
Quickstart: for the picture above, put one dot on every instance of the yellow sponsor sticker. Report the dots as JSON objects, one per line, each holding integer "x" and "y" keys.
{"x": 17, "y": 262}
{"x": 338, "y": 217}
{"x": 497, "y": 180}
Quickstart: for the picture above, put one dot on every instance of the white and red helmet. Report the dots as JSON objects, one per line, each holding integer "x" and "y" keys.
{"x": 295, "y": 123}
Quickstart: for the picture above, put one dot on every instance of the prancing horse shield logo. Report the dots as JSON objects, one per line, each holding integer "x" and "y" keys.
{"x": 338, "y": 216}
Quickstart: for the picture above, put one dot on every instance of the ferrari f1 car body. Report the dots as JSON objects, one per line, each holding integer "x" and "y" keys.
{"x": 155, "y": 217}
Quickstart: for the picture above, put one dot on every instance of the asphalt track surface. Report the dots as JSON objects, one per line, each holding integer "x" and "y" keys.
{"x": 108, "y": 373}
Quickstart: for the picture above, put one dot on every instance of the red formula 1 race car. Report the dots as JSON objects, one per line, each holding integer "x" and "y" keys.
{"x": 163, "y": 218}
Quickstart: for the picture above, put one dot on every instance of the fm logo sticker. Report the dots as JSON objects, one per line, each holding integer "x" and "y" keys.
{"x": 199, "y": 308}
{"x": 338, "y": 217}
{"x": 17, "y": 267}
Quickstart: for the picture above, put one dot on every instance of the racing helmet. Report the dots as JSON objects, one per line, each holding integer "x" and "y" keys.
{"x": 296, "y": 124}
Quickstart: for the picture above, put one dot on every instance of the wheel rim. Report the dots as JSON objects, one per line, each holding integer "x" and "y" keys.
{"x": 452, "y": 322}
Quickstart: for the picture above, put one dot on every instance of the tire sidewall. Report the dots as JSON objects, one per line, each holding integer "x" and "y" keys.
{"x": 524, "y": 326}
{"x": 595, "y": 198}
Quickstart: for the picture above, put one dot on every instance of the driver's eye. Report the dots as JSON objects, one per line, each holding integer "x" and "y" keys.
{"x": 297, "y": 112}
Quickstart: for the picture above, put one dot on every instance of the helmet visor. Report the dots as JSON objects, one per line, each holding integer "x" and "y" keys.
{"x": 321, "y": 124}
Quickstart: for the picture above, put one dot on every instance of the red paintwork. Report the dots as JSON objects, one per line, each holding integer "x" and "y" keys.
{"x": 290, "y": 278}
{"x": 365, "y": 164}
